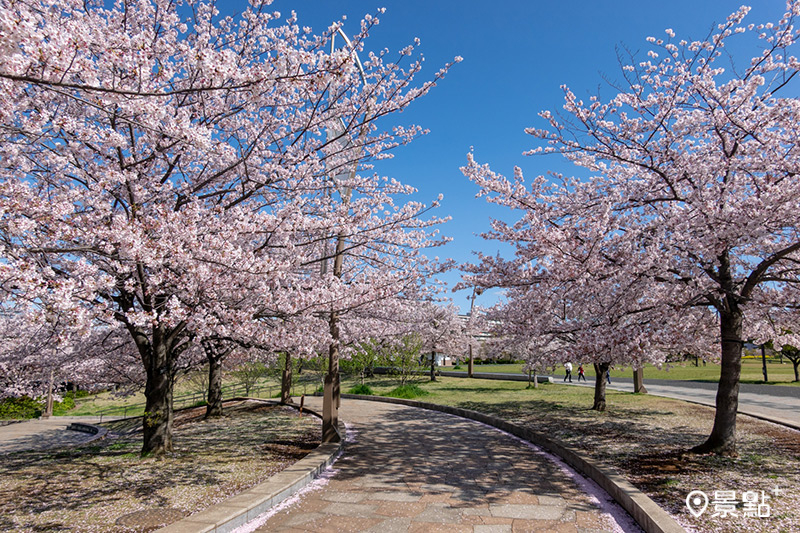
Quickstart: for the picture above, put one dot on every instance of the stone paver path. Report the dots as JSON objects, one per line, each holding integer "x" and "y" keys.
{"x": 414, "y": 470}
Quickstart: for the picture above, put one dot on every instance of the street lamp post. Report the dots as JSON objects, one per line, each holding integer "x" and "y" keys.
{"x": 331, "y": 398}
{"x": 476, "y": 291}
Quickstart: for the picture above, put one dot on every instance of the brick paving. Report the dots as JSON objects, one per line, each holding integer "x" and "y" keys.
{"x": 413, "y": 470}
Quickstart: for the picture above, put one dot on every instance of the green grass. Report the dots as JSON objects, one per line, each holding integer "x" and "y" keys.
{"x": 186, "y": 394}
{"x": 110, "y": 404}
{"x": 408, "y": 391}
{"x": 361, "y": 389}
{"x": 778, "y": 374}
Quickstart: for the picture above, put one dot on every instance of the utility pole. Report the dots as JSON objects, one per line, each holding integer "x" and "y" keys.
{"x": 48, "y": 410}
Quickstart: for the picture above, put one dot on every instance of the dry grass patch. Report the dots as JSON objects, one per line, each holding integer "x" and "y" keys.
{"x": 91, "y": 488}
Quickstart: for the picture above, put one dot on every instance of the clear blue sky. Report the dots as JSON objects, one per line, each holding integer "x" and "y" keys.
{"x": 516, "y": 54}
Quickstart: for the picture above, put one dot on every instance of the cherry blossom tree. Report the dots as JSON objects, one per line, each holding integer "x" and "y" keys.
{"x": 156, "y": 165}
{"x": 692, "y": 194}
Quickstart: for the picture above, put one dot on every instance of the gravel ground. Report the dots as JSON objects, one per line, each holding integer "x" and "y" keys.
{"x": 106, "y": 486}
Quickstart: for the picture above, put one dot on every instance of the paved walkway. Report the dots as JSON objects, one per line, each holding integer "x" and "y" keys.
{"x": 43, "y": 434}
{"x": 414, "y": 470}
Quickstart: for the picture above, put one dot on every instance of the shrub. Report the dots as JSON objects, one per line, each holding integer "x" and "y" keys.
{"x": 408, "y": 392}
{"x": 61, "y": 408}
{"x": 361, "y": 389}
{"x": 18, "y": 408}
{"x": 456, "y": 367}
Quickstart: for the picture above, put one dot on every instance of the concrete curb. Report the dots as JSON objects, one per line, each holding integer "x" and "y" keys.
{"x": 248, "y": 505}
{"x": 651, "y": 517}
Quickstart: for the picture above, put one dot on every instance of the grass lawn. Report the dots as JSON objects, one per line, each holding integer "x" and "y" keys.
{"x": 644, "y": 438}
{"x": 778, "y": 374}
{"x": 186, "y": 394}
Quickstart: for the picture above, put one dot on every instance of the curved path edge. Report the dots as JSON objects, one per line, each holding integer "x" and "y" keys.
{"x": 651, "y": 517}
{"x": 248, "y": 505}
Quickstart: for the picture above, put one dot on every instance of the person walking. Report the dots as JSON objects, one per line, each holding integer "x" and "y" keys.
{"x": 608, "y": 376}
{"x": 568, "y": 374}
{"x": 581, "y": 373}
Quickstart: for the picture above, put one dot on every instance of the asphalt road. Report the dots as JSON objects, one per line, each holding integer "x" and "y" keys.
{"x": 772, "y": 402}
{"x": 778, "y": 403}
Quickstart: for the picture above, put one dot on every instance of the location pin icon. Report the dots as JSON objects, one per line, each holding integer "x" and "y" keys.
{"x": 697, "y": 501}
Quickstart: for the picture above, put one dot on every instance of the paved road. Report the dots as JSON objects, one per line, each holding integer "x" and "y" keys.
{"x": 779, "y": 403}
{"x": 774, "y": 402}
{"x": 414, "y": 470}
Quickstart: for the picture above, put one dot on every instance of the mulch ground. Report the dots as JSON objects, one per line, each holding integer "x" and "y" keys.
{"x": 106, "y": 486}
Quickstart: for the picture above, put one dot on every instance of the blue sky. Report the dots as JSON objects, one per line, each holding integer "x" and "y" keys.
{"x": 516, "y": 54}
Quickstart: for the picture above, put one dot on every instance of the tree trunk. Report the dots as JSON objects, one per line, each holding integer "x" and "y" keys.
{"x": 216, "y": 351}
{"x": 600, "y": 370}
{"x": 433, "y": 365}
{"x": 723, "y": 435}
{"x": 157, "y": 420}
{"x": 638, "y": 381}
{"x": 796, "y": 364}
{"x": 286, "y": 380}
{"x": 214, "y": 405}
{"x": 471, "y": 362}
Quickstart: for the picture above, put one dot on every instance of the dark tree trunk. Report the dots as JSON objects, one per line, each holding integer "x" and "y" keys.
{"x": 216, "y": 351}
{"x": 433, "y": 366}
{"x": 723, "y": 435}
{"x": 157, "y": 420}
{"x": 796, "y": 363}
{"x": 286, "y": 380}
{"x": 638, "y": 381}
{"x": 214, "y": 405}
{"x": 471, "y": 363}
{"x": 600, "y": 370}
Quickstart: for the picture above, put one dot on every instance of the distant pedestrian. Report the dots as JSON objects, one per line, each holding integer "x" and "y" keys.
{"x": 608, "y": 376}
{"x": 568, "y": 374}
{"x": 581, "y": 373}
